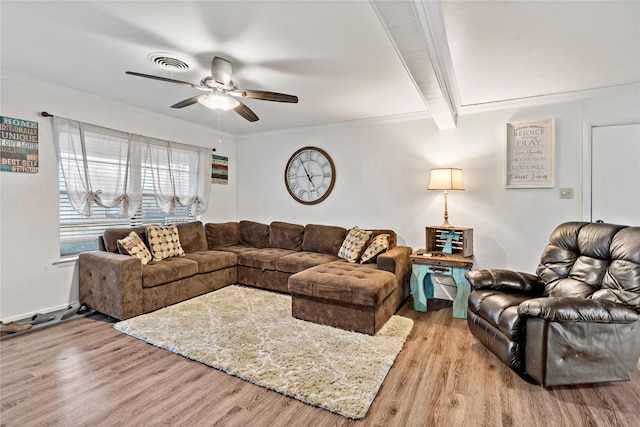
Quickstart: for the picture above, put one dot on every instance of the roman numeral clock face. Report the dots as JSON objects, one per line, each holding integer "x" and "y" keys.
{"x": 310, "y": 175}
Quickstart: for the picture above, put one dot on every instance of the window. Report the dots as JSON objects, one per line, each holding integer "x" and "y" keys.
{"x": 79, "y": 233}
{"x": 110, "y": 178}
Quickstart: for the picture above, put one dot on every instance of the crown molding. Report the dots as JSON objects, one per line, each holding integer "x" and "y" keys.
{"x": 556, "y": 98}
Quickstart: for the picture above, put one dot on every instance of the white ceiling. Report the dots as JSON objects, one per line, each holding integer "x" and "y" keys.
{"x": 338, "y": 57}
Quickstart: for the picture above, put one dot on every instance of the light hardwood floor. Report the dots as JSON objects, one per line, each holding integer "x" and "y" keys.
{"x": 85, "y": 373}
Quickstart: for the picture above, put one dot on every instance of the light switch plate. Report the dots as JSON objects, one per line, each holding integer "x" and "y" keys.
{"x": 566, "y": 193}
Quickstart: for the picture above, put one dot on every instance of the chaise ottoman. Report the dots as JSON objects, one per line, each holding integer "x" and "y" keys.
{"x": 343, "y": 295}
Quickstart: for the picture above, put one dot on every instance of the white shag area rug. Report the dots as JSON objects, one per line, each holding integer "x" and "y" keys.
{"x": 251, "y": 334}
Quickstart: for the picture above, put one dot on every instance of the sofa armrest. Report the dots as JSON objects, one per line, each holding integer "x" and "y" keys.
{"x": 396, "y": 261}
{"x": 567, "y": 309}
{"x": 110, "y": 283}
{"x": 506, "y": 281}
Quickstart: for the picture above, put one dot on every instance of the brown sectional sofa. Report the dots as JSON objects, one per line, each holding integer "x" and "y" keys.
{"x": 296, "y": 259}
{"x": 119, "y": 286}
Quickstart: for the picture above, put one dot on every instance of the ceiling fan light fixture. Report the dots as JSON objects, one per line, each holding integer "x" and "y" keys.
{"x": 218, "y": 101}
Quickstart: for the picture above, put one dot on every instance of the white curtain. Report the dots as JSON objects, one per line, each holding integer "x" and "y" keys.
{"x": 99, "y": 165}
{"x": 181, "y": 175}
{"x": 105, "y": 167}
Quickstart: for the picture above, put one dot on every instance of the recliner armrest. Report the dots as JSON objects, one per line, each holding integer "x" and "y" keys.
{"x": 567, "y": 309}
{"x": 505, "y": 280}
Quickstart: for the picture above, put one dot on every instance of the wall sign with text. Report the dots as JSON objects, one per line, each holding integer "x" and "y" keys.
{"x": 530, "y": 154}
{"x": 19, "y": 145}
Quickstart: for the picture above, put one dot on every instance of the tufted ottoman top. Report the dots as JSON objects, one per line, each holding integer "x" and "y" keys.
{"x": 345, "y": 282}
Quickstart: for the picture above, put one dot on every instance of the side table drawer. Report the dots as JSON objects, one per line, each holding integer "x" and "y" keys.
{"x": 439, "y": 269}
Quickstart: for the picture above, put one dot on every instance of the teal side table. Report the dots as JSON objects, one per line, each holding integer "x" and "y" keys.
{"x": 423, "y": 264}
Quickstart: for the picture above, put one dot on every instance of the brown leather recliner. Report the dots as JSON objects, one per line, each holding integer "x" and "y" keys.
{"x": 577, "y": 320}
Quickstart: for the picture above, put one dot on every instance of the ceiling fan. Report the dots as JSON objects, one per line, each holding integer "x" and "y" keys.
{"x": 222, "y": 93}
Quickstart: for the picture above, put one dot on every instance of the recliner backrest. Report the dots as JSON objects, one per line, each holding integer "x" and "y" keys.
{"x": 582, "y": 258}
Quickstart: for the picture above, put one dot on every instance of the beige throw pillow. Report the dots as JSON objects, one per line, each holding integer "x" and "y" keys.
{"x": 353, "y": 244}
{"x": 134, "y": 246}
{"x": 164, "y": 241}
{"x": 378, "y": 245}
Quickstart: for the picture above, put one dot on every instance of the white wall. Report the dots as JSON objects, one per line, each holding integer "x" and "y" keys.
{"x": 31, "y": 281}
{"x": 382, "y": 176}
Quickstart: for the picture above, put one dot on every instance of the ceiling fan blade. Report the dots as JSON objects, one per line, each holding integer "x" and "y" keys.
{"x": 269, "y": 96}
{"x": 246, "y": 112}
{"x": 221, "y": 70}
{"x": 186, "y": 102}
{"x": 164, "y": 79}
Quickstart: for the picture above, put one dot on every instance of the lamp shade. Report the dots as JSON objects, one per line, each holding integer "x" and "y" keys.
{"x": 446, "y": 179}
{"x": 218, "y": 101}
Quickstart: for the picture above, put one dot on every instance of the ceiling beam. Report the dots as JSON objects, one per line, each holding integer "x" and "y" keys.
{"x": 417, "y": 31}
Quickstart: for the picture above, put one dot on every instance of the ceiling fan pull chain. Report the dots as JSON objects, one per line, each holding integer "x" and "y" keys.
{"x": 219, "y": 140}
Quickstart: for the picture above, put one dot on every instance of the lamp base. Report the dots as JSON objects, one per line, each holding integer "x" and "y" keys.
{"x": 446, "y": 224}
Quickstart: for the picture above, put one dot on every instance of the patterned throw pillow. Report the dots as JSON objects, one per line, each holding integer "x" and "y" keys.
{"x": 164, "y": 241}
{"x": 353, "y": 244}
{"x": 378, "y": 245}
{"x": 134, "y": 246}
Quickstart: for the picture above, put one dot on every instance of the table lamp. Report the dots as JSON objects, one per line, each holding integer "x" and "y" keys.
{"x": 446, "y": 179}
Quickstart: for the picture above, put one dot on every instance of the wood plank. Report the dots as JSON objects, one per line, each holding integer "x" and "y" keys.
{"x": 84, "y": 372}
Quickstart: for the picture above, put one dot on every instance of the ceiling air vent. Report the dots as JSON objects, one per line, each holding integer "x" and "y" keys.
{"x": 168, "y": 61}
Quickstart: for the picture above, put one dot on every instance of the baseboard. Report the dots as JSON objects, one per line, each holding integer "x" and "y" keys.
{"x": 55, "y": 321}
{"x": 44, "y": 310}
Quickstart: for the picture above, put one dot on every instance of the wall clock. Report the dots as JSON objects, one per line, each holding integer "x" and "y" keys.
{"x": 310, "y": 175}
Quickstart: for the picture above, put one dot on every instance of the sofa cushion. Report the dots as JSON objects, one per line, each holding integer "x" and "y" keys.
{"x": 325, "y": 239}
{"x": 192, "y": 237}
{"x": 134, "y": 246}
{"x": 111, "y": 236}
{"x": 353, "y": 244}
{"x": 377, "y": 245}
{"x": 236, "y": 249}
{"x": 264, "y": 259}
{"x": 253, "y": 234}
{"x": 283, "y": 235}
{"x": 345, "y": 282}
{"x": 221, "y": 234}
{"x": 209, "y": 261}
{"x": 302, "y": 260}
{"x": 164, "y": 241}
{"x": 169, "y": 270}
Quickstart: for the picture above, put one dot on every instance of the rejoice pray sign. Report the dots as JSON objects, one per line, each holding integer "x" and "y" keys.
{"x": 530, "y": 154}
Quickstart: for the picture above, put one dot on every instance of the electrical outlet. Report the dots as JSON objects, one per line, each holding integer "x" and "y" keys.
{"x": 566, "y": 193}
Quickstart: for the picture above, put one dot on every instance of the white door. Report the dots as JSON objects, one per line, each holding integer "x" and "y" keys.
{"x": 615, "y": 174}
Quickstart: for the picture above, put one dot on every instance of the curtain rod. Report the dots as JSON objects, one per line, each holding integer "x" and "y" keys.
{"x": 45, "y": 114}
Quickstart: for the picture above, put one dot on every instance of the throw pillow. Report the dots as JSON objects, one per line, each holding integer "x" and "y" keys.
{"x": 164, "y": 241}
{"x": 353, "y": 244}
{"x": 134, "y": 246}
{"x": 378, "y": 245}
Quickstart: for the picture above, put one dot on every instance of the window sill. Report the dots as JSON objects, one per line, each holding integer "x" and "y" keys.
{"x": 66, "y": 260}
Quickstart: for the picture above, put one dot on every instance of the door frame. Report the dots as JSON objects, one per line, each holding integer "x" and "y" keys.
{"x": 587, "y": 145}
